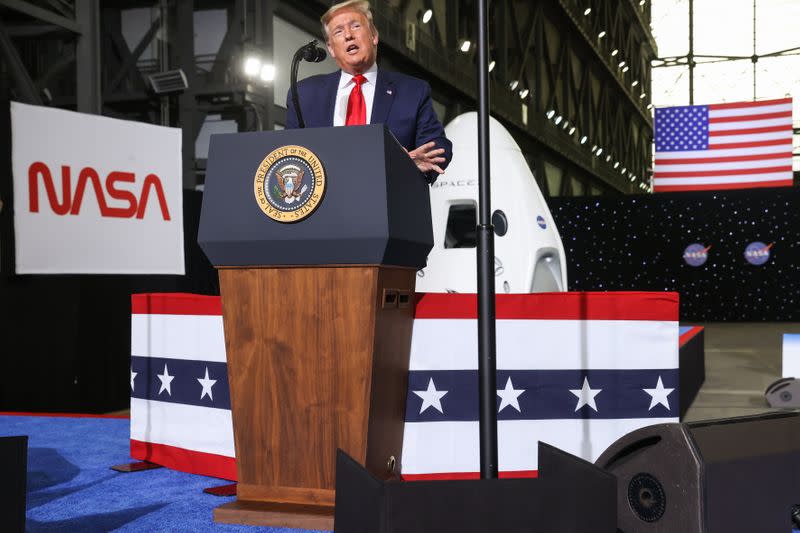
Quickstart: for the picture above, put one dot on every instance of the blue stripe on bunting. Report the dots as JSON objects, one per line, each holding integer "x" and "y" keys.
{"x": 184, "y": 387}
{"x": 547, "y": 394}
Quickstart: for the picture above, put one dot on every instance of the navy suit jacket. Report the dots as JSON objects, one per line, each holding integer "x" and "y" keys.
{"x": 401, "y": 102}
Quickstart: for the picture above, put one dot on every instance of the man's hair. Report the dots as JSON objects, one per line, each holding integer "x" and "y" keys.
{"x": 362, "y": 6}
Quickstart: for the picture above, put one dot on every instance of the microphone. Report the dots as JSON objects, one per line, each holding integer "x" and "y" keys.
{"x": 313, "y": 54}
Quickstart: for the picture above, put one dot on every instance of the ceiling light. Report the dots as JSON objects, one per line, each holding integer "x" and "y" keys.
{"x": 587, "y": 11}
{"x": 626, "y": 68}
{"x": 584, "y": 139}
{"x": 594, "y": 147}
{"x": 614, "y": 52}
{"x": 558, "y": 120}
{"x": 621, "y": 64}
{"x": 523, "y": 93}
{"x": 551, "y": 113}
{"x": 642, "y": 96}
{"x": 267, "y": 72}
{"x": 616, "y": 164}
{"x": 252, "y": 66}
{"x": 623, "y": 170}
{"x": 633, "y": 178}
{"x": 635, "y": 83}
{"x": 608, "y": 158}
{"x": 465, "y": 45}
{"x": 565, "y": 125}
{"x": 650, "y": 106}
{"x": 427, "y": 16}
{"x": 601, "y": 34}
{"x": 599, "y": 151}
{"x": 491, "y": 66}
{"x": 513, "y": 85}
{"x": 571, "y": 130}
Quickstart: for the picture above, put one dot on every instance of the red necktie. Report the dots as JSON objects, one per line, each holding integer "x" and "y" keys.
{"x": 356, "y": 108}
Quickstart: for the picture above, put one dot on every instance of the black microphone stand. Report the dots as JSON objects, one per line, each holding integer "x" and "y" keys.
{"x": 309, "y": 52}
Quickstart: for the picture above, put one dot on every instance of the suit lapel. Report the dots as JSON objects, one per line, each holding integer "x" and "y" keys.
{"x": 382, "y": 101}
{"x": 331, "y": 89}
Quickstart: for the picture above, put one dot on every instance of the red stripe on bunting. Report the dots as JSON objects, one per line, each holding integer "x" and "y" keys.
{"x": 61, "y": 415}
{"x": 760, "y": 103}
{"x": 193, "y": 462}
{"x": 469, "y": 475}
{"x": 727, "y": 186}
{"x": 556, "y": 306}
{"x": 174, "y": 303}
{"x": 686, "y": 337}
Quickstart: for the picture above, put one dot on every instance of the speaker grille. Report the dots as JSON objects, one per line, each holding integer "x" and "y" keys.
{"x": 646, "y": 497}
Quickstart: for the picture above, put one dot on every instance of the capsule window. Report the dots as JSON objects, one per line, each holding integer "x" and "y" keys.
{"x": 462, "y": 222}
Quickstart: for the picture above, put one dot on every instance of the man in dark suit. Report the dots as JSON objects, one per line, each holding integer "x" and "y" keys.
{"x": 361, "y": 94}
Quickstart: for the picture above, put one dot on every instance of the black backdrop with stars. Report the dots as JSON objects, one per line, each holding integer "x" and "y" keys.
{"x": 637, "y": 243}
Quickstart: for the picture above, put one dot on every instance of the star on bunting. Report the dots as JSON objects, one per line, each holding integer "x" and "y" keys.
{"x": 166, "y": 379}
{"x": 659, "y": 395}
{"x": 431, "y": 397}
{"x": 586, "y": 395}
{"x": 207, "y": 384}
{"x": 509, "y": 396}
{"x": 133, "y": 376}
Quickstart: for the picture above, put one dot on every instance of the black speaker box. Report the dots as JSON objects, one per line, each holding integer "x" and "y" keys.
{"x": 13, "y": 482}
{"x": 720, "y": 476}
{"x": 569, "y": 496}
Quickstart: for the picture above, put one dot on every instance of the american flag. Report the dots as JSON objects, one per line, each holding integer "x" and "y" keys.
{"x": 736, "y": 145}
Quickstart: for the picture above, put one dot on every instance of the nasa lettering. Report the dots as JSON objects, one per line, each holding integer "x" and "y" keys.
{"x": 70, "y": 204}
{"x": 289, "y": 184}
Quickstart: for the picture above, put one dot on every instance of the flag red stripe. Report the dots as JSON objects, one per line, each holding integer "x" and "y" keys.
{"x": 725, "y": 186}
{"x": 555, "y": 306}
{"x": 709, "y": 173}
{"x": 726, "y": 159}
{"x": 752, "y": 144}
{"x": 760, "y": 103}
{"x": 749, "y": 131}
{"x": 194, "y": 462}
{"x": 469, "y": 475}
{"x": 745, "y": 118}
{"x": 175, "y": 304}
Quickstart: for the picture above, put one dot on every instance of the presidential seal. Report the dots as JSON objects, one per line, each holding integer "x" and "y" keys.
{"x": 289, "y": 184}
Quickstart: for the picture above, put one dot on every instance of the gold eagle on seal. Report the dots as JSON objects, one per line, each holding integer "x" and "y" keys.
{"x": 290, "y": 179}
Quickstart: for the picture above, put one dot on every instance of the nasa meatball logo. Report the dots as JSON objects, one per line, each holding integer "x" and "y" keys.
{"x": 540, "y": 220}
{"x": 757, "y": 253}
{"x": 289, "y": 184}
{"x": 696, "y": 254}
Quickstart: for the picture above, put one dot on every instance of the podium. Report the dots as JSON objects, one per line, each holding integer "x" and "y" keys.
{"x": 317, "y": 235}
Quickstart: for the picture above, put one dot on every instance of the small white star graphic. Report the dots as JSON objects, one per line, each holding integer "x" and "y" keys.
{"x": 207, "y": 384}
{"x": 431, "y": 397}
{"x": 166, "y": 380}
{"x": 586, "y": 395}
{"x": 659, "y": 395}
{"x": 133, "y": 376}
{"x": 509, "y": 396}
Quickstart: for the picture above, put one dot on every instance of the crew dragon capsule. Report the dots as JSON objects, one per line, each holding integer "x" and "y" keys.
{"x": 529, "y": 255}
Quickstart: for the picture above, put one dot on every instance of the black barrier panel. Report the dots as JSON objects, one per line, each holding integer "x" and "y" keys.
{"x": 639, "y": 243}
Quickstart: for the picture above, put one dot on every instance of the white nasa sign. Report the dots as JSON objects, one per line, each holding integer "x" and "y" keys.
{"x": 95, "y": 195}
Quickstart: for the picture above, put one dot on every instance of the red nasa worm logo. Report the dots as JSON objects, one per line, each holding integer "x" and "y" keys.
{"x": 70, "y": 204}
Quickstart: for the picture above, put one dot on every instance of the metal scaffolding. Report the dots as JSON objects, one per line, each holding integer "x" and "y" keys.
{"x": 570, "y": 79}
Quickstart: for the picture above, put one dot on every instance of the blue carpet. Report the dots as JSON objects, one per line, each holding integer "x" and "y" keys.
{"x": 71, "y": 488}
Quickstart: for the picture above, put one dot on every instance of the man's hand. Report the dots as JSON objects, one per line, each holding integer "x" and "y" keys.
{"x": 427, "y": 158}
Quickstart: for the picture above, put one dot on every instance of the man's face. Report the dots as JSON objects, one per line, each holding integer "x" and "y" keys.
{"x": 351, "y": 42}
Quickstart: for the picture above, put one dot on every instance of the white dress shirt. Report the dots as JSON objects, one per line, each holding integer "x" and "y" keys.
{"x": 346, "y": 84}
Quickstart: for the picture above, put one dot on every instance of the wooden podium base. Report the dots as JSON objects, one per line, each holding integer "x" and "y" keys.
{"x": 317, "y": 361}
{"x": 275, "y": 515}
